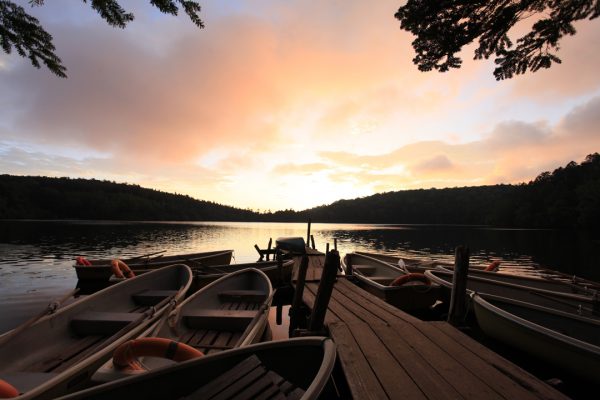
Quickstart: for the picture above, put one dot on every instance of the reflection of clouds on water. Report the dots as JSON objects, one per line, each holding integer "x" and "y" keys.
{"x": 36, "y": 258}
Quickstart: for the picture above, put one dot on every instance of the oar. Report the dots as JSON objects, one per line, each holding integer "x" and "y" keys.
{"x": 50, "y": 309}
{"x": 566, "y": 303}
{"x": 147, "y": 255}
{"x": 264, "y": 307}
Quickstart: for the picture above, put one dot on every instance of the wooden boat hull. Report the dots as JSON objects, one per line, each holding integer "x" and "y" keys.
{"x": 539, "y": 283}
{"x": 568, "y": 342}
{"x": 59, "y": 352}
{"x": 567, "y": 302}
{"x": 305, "y": 363}
{"x": 374, "y": 276}
{"x": 230, "y": 312}
{"x": 100, "y": 270}
{"x": 270, "y": 268}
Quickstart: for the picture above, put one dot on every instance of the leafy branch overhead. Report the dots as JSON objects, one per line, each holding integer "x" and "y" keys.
{"x": 23, "y": 32}
{"x": 443, "y": 27}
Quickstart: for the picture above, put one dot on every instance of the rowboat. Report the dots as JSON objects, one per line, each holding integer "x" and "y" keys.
{"x": 228, "y": 313}
{"x": 413, "y": 264}
{"x": 276, "y": 275}
{"x": 59, "y": 352}
{"x": 287, "y": 369}
{"x": 376, "y": 277}
{"x": 419, "y": 265}
{"x": 408, "y": 263}
{"x": 536, "y": 282}
{"x": 577, "y": 304}
{"x": 101, "y": 269}
{"x": 568, "y": 342}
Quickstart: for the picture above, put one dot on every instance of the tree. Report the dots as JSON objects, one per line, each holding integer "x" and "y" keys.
{"x": 443, "y": 27}
{"x": 22, "y": 31}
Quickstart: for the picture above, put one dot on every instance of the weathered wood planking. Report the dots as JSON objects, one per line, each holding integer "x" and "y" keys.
{"x": 316, "y": 261}
{"x": 388, "y": 354}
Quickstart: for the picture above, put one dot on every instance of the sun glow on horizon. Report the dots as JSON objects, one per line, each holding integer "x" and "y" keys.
{"x": 268, "y": 111}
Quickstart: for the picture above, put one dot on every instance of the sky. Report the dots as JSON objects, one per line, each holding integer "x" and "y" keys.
{"x": 285, "y": 105}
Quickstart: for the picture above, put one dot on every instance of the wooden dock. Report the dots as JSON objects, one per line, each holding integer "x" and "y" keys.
{"x": 386, "y": 353}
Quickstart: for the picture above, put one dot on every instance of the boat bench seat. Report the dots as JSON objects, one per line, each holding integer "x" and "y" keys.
{"x": 152, "y": 297}
{"x": 25, "y": 381}
{"x": 249, "y": 379}
{"x": 366, "y": 270}
{"x": 226, "y": 320}
{"x": 382, "y": 280}
{"x": 254, "y": 296}
{"x": 101, "y": 323}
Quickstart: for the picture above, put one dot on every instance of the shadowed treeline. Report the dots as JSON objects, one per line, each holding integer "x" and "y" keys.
{"x": 568, "y": 197}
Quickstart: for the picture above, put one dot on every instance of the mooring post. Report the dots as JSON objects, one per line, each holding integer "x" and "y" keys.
{"x": 279, "y": 259}
{"x": 458, "y": 300}
{"x": 269, "y": 247}
{"x": 259, "y": 252}
{"x": 279, "y": 314}
{"x": 308, "y": 233}
{"x": 298, "y": 309}
{"x": 348, "y": 261}
{"x": 328, "y": 277}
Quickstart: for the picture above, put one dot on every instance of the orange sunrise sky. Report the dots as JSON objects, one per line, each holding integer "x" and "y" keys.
{"x": 285, "y": 104}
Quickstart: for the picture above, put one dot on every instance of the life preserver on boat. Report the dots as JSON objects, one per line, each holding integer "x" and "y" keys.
{"x": 411, "y": 277}
{"x": 7, "y": 390}
{"x": 120, "y": 269}
{"x": 493, "y": 267}
{"x": 126, "y": 355}
{"x": 82, "y": 261}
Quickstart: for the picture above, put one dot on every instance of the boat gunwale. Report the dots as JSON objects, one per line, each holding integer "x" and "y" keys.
{"x": 479, "y": 300}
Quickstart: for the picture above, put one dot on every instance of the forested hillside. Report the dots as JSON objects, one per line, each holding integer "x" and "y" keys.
{"x": 64, "y": 198}
{"x": 568, "y": 197}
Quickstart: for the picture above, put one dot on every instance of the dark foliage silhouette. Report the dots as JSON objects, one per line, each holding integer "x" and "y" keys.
{"x": 442, "y": 28}
{"x": 24, "y": 33}
{"x": 568, "y": 197}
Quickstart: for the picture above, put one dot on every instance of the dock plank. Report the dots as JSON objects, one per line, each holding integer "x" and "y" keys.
{"x": 386, "y": 353}
{"x": 519, "y": 375}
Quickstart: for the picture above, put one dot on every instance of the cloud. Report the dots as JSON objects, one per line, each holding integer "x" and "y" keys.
{"x": 300, "y": 169}
{"x": 321, "y": 94}
{"x": 438, "y": 163}
{"x": 583, "y": 120}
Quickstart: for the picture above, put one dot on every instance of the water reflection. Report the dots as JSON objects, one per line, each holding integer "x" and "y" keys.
{"x": 36, "y": 257}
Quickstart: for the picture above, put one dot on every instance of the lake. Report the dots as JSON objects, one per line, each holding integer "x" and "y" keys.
{"x": 36, "y": 257}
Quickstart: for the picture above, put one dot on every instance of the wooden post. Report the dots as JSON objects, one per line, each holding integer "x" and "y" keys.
{"x": 335, "y": 243}
{"x": 298, "y": 309}
{"x": 458, "y": 300}
{"x": 279, "y": 259}
{"x": 348, "y": 260}
{"x": 317, "y": 318}
{"x": 259, "y": 252}
{"x": 326, "y": 247}
{"x": 279, "y": 314}
{"x": 269, "y": 247}
{"x": 308, "y": 233}
{"x": 312, "y": 241}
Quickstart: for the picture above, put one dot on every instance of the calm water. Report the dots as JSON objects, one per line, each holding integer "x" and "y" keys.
{"x": 36, "y": 257}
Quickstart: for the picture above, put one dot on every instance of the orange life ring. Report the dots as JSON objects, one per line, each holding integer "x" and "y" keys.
{"x": 493, "y": 267}
{"x": 411, "y": 277}
{"x": 7, "y": 390}
{"x": 120, "y": 269}
{"x": 82, "y": 261}
{"x": 126, "y": 355}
